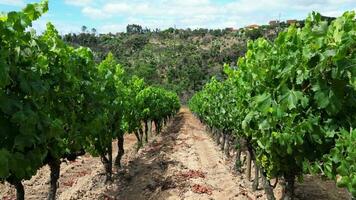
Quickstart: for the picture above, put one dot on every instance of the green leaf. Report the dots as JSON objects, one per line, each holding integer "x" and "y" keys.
{"x": 4, "y": 164}
{"x": 34, "y": 11}
{"x": 322, "y": 99}
{"x": 343, "y": 182}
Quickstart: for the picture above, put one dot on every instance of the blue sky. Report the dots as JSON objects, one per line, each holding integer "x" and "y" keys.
{"x": 113, "y": 15}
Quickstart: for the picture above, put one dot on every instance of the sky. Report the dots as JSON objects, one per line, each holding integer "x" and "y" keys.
{"x": 113, "y": 15}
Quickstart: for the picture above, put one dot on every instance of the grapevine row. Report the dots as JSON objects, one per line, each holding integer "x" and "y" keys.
{"x": 57, "y": 103}
{"x": 291, "y": 104}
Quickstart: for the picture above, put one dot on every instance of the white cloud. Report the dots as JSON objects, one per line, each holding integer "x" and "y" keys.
{"x": 62, "y": 27}
{"x": 112, "y": 28}
{"x": 12, "y": 2}
{"x": 163, "y": 8}
{"x": 284, "y": 6}
{"x": 95, "y": 13}
{"x": 78, "y": 2}
{"x": 117, "y": 8}
{"x": 190, "y": 2}
{"x": 201, "y": 13}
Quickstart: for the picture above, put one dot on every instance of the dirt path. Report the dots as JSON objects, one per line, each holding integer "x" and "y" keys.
{"x": 181, "y": 163}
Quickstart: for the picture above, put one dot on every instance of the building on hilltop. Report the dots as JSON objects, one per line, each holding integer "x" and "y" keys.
{"x": 273, "y": 22}
{"x": 291, "y": 21}
{"x": 252, "y": 26}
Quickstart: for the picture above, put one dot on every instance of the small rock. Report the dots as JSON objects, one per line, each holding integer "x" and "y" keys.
{"x": 152, "y": 185}
{"x": 128, "y": 176}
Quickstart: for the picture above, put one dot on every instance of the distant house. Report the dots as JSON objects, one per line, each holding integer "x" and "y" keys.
{"x": 291, "y": 21}
{"x": 273, "y": 22}
{"x": 252, "y": 26}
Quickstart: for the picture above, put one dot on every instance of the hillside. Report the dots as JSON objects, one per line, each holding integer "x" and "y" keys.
{"x": 182, "y": 60}
{"x": 176, "y": 59}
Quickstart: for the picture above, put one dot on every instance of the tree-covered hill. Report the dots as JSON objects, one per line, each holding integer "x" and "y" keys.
{"x": 176, "y": 59}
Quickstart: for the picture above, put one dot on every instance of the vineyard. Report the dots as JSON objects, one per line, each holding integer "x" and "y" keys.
{"x": 286, "y": 110}
{"x": 56, "y": 103}
{"x": 290, "y": 104}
